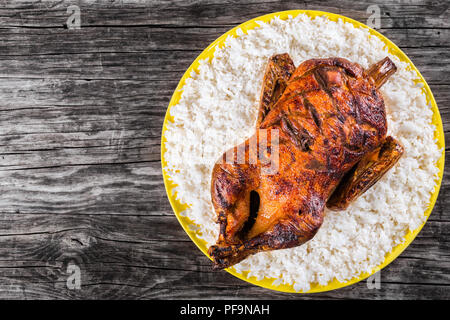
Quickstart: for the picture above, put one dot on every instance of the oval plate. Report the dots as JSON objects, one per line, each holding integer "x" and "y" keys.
{"x": 209, "y": 53}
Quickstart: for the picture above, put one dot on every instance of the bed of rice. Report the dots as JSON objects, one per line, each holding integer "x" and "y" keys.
{"x": 219, "y": 106}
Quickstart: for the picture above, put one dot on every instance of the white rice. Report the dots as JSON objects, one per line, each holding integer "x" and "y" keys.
{"x": 221, "y": 102}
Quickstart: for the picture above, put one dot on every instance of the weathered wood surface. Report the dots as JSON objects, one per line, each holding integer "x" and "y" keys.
{"x": 81, "y": 117}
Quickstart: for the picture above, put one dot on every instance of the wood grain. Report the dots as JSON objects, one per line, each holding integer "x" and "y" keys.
{"x": 81, "y": 118}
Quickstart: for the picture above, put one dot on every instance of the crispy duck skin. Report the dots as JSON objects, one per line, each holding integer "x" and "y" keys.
{"x": 331, "y": 125}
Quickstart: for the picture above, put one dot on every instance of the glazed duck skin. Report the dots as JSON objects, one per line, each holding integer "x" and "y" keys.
{"x": 330, "y": 122}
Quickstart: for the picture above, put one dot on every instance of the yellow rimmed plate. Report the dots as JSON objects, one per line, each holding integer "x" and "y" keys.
{"x": 209, "y": 53}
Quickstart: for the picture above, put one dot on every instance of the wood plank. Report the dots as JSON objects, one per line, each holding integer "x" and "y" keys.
{"x": 125, "y": 189}
{"x": 40, "y": 42}
{"x": 167, "y": 66}
{"x": 407, "y": 14}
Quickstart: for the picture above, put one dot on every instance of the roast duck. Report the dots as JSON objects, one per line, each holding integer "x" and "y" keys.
{"x": 330, "y": 123}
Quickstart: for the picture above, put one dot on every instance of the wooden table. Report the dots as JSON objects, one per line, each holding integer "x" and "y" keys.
{"x": 81, "y": 116}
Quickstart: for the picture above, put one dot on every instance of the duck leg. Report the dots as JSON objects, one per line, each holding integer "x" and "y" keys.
{"x": 287, "y": 233}
{"x": 365, "y": 174}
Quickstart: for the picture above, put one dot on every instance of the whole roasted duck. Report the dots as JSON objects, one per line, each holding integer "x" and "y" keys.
{"x": 330, "y": 122}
